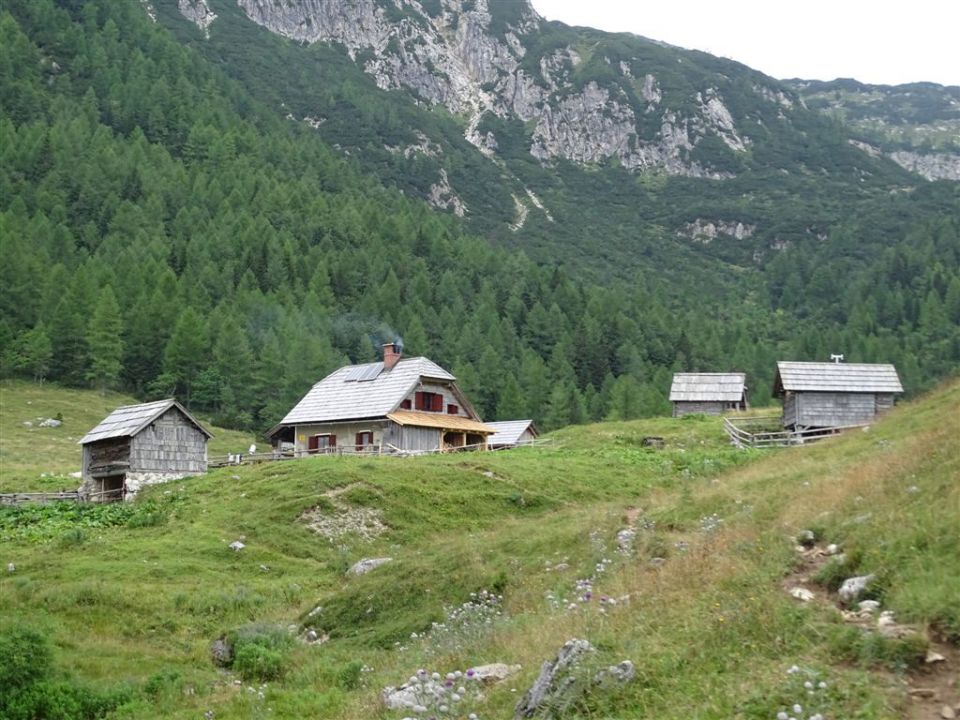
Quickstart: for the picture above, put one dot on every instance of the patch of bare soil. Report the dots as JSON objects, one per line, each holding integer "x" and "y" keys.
{"x": 344, "y": 519}
{"x": 932, "y": 689}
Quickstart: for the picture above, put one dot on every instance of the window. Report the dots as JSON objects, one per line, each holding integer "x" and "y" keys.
{"x": 431, "y": 402}
{"x": 321, "y": 443}
{"x": 453, "y": 409}
{"x": 405, "y": 405}
{"x": 364, "y": 440}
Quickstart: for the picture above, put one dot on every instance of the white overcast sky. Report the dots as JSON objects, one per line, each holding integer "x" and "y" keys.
{"x": 878, "y": 41}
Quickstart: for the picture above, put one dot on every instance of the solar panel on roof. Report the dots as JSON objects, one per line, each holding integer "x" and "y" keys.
{"x": 353, "y": 373}
{"x": 371, "y": 372}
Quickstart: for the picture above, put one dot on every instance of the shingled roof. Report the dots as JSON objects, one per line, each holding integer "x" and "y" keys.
{"x": 129, "y": 420}
{"x": 708, "y": 387}
{"x": 508, "y": 432}
{"x": 837, "y": 377}
{"x": 357, "y": 392}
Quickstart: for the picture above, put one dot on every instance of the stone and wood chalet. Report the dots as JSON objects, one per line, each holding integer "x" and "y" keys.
{"x": 834, "y": 395}
{"x": 511, "y": 433}
{"x": 139, "y": 445}
{"x": 400, "y": 405}
{"x": 708, "y": 393}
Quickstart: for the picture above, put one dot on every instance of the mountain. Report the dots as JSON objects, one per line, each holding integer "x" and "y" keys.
{"x": 915, "y": 125}
{"x": 194, "y": 204}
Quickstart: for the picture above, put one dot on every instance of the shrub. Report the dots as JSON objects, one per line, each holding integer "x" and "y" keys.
{"x": 348, "y": 676}
{"x": 260, "y": 652}
{"x": 25, "y": 658}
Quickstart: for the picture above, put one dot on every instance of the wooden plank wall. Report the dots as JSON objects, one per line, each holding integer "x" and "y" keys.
{"x": 831, "y": 409}
{"x": 108, "y": 452}
{"x": 418, "y": 439}
{"x": 688, "y": 408}
{"x": 171, "y": 444}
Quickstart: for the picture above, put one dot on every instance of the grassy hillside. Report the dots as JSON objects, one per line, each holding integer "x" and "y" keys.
{"x": 38, "y": 459}
{"x": 700, "y": 603}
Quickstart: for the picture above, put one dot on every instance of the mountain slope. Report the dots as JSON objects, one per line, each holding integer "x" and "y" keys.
{"x": 140, "y": 604}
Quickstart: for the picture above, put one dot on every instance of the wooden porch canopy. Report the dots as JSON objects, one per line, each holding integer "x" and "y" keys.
{"x": 448, "y": 423}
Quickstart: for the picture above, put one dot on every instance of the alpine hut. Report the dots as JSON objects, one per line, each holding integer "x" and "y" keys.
{"x": 139, "y": 445}
{"x": 833, "y": 394}
{"x": 404, "y": 405}
{"x": 708, "y": 393}
{"x": 511, "y": 433}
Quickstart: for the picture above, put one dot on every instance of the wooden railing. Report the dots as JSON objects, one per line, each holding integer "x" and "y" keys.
{"x": 755, "y": 432}
{"x": 16, "y": 499}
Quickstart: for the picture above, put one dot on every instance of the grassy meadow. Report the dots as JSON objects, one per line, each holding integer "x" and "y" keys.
{"x": 695, "y": 600}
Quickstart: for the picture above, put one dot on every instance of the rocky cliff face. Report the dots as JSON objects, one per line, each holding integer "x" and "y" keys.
{"x": 482, "y": 60}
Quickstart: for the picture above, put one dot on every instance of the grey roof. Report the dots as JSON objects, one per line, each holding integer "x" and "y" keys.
{"x": 508, "y": 432}
{"x": 838, "y": 377}
{"x": 359, "y": 391}
{"x": 128, "y": 420}
{"x": 708, "y": 387}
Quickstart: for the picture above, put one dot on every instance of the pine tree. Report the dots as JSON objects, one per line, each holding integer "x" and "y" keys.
{"x": 105, "y": 341}
{"x": 185, "y": 355}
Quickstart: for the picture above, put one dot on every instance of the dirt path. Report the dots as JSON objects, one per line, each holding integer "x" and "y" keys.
{"x": 933, "y": 688}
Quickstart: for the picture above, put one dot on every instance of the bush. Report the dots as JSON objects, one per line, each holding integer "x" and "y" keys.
{"x": 25, "y": 658}
{"x": 260, "y": 652}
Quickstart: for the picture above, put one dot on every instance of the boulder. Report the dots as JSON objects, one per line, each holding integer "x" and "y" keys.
{"x": 50, "y": 423}
{"x": 807, "y": 539}
{"x": 494, "y": 672}
{"x": 236, "y": 546}
{"x": 367, "y": 564}
{"x": 854, "y": 587}
{"x": 221, "y": 653}
{"x": 622, "y": 672}
{"x": 553, "y": 686}
{"x": 801, "y": 594}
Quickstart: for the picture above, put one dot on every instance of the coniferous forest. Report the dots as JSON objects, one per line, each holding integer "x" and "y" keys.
{"x": 166, "y": 232}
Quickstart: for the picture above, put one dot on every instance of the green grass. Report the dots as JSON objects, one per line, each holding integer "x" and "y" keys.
{"x": 38, "y": 459}
{"x": 711, "y": 631}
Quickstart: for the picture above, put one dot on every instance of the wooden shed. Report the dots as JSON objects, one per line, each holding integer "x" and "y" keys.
{"x": 511, "y": 433}
{"x": 708, "y": 393}
{"x": 834, "y": 395}
{"x": 139, "y": 445}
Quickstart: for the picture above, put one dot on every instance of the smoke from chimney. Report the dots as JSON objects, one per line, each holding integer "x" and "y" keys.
{"x": 391, "y": 353}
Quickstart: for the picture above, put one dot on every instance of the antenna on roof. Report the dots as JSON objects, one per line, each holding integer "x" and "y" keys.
{"x": 836, "y": 358}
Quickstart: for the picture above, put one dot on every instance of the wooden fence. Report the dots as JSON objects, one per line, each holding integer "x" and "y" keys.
{"x": 42, "y": 498}
{"x": 757, "y": 432}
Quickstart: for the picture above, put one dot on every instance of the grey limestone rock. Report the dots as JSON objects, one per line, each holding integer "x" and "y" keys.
{"x": 553, "y": 686}
{"x": 854, "y": 587}
{"x": 367, "y": 564}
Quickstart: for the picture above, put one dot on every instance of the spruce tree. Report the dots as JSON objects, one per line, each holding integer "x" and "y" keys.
{"x": 105, "y": 341}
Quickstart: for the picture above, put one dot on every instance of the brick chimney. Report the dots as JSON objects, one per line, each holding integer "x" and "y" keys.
{"x": 392, "y": 353}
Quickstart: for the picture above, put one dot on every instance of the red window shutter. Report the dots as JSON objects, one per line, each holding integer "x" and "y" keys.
{"x": 359, "y": 442}
{"x": 333, "y": 440}
{"x": 313, "y": 443}
{"x": 419, "y": 402}
{"x": 452, "y": 409}
{"x": 438, "y": 403}
{"x": 405, "y": 405}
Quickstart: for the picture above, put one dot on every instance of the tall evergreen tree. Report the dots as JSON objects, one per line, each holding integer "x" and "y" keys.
{"x": 105, "y": 341}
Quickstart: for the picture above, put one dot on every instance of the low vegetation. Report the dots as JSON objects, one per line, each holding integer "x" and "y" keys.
{"x": 503, "y": 557}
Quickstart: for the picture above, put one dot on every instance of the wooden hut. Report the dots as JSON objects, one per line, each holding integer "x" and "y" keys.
{"x": 833, "y": 395}
{"x": 139, "y": 445}
{"x": 405, "y": 405}
{"x": 511, "y": 433}
{"x": 708, "y": 393}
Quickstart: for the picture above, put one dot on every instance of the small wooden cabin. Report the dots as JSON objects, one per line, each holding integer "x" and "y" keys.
{"x": 510, "y": 433}
{"x": 139, "y": 445}
{"x": 827, "y": 395}
{"x": 404, "y": 405}
{"x": 708, "y": 393}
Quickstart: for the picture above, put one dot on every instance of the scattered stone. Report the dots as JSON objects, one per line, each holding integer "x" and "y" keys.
{"x": 622, "y": 672}
{"x": 854, "y": 587}
{"x": 311, "y": 635}
{"x": 412, "y": 693}
{"x": 922, "y": 692}
{"x": 913, "y": 489}
{"x": 947, "y": 712}
{"x": 234, "y": 477}
{"x": 807, "y": 539}
{"x": 801, "y": 594}
{"x": 11, "y": 568}
{"x": 236, "y": 546}
{"x": 316, "y": 611}
{"x": 868, "y": 606}
{"x": 265, "y": 568}
{"x": 50, "y": 423}
{"x": 27, "y": 423}
{"x": 832, "y": 549}
{"x": 555, "y": 680}
{"x": 657, "y": 561}
{"x": 494, "y": 672}
{"x": 560, "y": 567}
{"x": 652, "y": 441}
{"x": 221, "y": 653}
{"x": 934, "y": 657}
{"x": 367, "y": 564}
{"x": 625, "y": 539}
{"x": 489, "y": 473}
